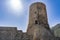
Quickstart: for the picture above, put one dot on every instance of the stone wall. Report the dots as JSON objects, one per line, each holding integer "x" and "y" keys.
{"x": 11, "y": 33}
{"x": 7, "y": 33}
{"x": 19, "y": 35}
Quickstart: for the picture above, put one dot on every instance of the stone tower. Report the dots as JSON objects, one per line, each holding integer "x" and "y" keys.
{"x": 37, "y": 16}
{"x": 38, "y": 27}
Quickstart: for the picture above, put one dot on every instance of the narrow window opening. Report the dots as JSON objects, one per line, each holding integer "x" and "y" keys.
{"x": 36, "y": 22}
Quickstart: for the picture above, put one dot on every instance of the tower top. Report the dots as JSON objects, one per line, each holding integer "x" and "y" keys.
{"x": 38, "y": 3}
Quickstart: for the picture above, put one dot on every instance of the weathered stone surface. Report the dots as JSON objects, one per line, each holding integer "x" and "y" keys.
{"x": 41, "y": 33}
{"x": 19, "y": 35}
{"x": 25, "y": 37}
{"x": 37, "y": 15}
{"x": 56, "y": 30}
{"x": 38, "y": 26}
{"x": 7, "y": 33}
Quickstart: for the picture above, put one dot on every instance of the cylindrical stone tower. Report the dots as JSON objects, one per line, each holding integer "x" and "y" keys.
{"x": 37, "y": 16}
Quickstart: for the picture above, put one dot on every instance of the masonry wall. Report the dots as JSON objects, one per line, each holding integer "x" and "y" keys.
{"x": 7, "y": 33}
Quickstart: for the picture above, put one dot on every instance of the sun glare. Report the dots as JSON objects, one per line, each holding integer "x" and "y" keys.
{"x": 16, "y": 4}
{"x": 14, "y": 7}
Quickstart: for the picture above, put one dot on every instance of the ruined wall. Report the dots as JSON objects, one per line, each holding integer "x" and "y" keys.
{"x": 19, "y": 35}
{"x": 7, "y": 33}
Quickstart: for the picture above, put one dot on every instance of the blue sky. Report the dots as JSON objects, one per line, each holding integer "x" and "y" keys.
{"x": 11, "y": 18}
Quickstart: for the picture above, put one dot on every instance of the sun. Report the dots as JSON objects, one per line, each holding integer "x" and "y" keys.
{"x": 14, "y": 7}
{"x": 16, "y": 4}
